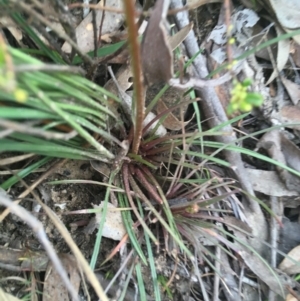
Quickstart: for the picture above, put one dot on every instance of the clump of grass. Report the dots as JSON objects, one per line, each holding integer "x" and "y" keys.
{"x": 55, "y": 112}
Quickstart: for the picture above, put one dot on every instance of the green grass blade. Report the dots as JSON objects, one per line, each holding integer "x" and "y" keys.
{"x": 151, "y": 261}
{"x": 101, "y": 52}
{"x": 51, "y": 150}
{"x": 46, "y": 50}
{"x": 22, "y": 113}
{"x": 251, "y": 153}
{"x": 101, "y": 225}
{"x": 254, "y": 253}
{"x": 124, "y": 291}
{"x": 67, "y": 117}
{"x": 204, "y": 156}
{"x": 128, "y": 222}
{"x": 23, "y": 173}
{"x": 140, "y": 281}
{"x": 258, "y": 48}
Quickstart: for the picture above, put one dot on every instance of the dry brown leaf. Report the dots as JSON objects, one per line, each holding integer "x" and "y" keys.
{"x": 265, "y": 273}
{"x": 255, "y": 264}
{"x": 171, "y": 122}
{"x": 295, "y": 52}
{"x": 119, "y": 86}
{"x": 7, "y": 297}
{"x": 268, "y": 182}
{"x": 283, "y": 51}
{"x": 243, "y": 22}
{"x": 7, "y": 22}
{"x": 28, "y": 260}
{"x": 289, "y": 236}
{"x": 103, "y": 168}
{"x": 260, "y": 35}
{"x": 275, "y": 279}
{"x": 156, "y": 53}
{"x": 175, "y": 40}
{"x": 155, "y": 27}
{"x": 287, "y": 12}
{"x": 288, "y": 266}
{"x": 35, "y": 262}
{"x": 50, "y": 13}
{"x": 293, "y": 90}
{"x": 289, "y": 116}
{"x": 54, "y": 288}
{"x": 288, "y": 15}
{"x": 123, "y": 77}
{"x": 85, "y": 33}
{"x": 290, "y": 297}
{"x": 285, "y": 152}
{"x": 233, "y": 224}
{"x": 120, "y": 59}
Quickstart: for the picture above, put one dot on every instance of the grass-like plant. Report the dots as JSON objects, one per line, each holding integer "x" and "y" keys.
{"x": 51, "y": 110}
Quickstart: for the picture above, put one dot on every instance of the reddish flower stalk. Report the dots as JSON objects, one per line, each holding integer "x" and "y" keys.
{"x": 135, "y": 54}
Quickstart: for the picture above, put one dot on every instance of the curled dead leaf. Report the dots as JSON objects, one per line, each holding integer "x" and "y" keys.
{"x": 268, "y": 182}
{"x": 290, "y": 297}
{"x": 283, "y": 52}
{"x": 156, "y": 53}
{"x": 291, "y": 267}
{"x": 54, "y": 288}
{"x": 12, "y": 27}
{"x": 84, "y": 31}
{"x": 288, "y": 15}
{"x": 293, "y": 90}
{"x": 265, "y": 273}
{"x": 289, "y": 116}
{"x": 170, "y": 122}
{"x": 118, "y": 85}
{"x": 285, "y": 152}
{"x": 295, "y": 53}
{"x": 180, "y": 36}
{"x": 7, "y": 297}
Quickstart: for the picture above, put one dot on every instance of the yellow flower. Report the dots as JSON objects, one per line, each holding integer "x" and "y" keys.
{"x": 20, "y": 95}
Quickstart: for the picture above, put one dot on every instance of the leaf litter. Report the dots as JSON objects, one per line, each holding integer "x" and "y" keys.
{"x": 280, "y": 144}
